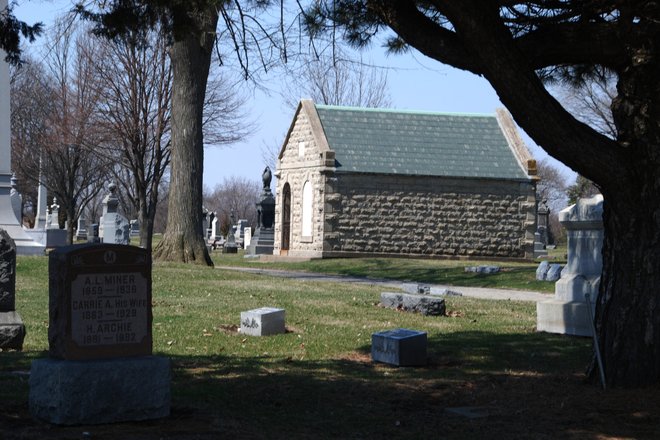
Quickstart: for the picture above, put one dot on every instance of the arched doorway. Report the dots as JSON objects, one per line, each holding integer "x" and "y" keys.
{"x": 286, "y": 220}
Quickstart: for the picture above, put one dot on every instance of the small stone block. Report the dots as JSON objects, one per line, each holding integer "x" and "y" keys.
{"x": 262, "y": 322}
{"x": 401, "y": 347}
{"x": 12, "y": 331}
{"x": 67, "y": 392}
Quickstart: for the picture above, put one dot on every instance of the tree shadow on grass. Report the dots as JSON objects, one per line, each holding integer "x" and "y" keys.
{"x": 524, "y": 385}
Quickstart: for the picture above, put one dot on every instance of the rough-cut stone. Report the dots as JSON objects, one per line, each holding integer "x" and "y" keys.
{"x": 263, "y": 321}
{"x": 424, "y": 304}
{"x": 101, "y": 391}
{"x": 7, "y": 272}
{"x": 554, "y": 272}
{"x": 542, "y": 270}
{"x": 401, "y": 347}
{"x": 483, "y": 269}
{"x": 12, "y": 331}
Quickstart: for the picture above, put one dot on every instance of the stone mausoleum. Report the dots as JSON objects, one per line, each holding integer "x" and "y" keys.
{"x": 370, "y": 182}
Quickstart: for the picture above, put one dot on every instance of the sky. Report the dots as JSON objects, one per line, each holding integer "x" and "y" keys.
{"x": 415, "y": 82}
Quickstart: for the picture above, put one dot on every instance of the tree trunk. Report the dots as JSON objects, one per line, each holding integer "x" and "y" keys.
{"x": 191, "y": 58}
{"x": 71, "y": 219}
{"x": 628, "y": 308}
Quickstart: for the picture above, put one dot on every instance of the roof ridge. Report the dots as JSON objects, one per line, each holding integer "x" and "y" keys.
{"x": 405, "y": 111}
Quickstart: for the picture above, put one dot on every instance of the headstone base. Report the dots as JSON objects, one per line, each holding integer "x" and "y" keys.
{"x": 12, "y": 331}
{"x": 563, "y": 317}
{"x": 262, "y": 243}
{"x": 400, "y": 347}
{"x": 230, "y": 250}
{"x": 100, "y": 391}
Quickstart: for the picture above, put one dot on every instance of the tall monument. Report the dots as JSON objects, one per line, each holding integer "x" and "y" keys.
{"x": 263, "y": 239}
{"x": 24, "y": 244}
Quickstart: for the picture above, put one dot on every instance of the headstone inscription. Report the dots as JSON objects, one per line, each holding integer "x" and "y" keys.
{"x": 12, "y": 329}
{"x": 100, "y": 368}
{"x": 100, "y": 302}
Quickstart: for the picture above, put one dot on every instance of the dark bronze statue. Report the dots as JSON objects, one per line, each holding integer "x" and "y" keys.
{"x": 266, "y": 177}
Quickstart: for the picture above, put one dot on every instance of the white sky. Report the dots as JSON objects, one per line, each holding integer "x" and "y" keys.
{"x": 415, "y": 83}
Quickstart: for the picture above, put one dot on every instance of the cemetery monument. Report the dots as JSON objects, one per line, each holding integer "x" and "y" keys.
{"x": 114, "y": 228}
{"x": 101, "y": 368}
{"x": 24, "y": 243}
{"x": 264, "y": 237}
{"x": 567, "y": 312}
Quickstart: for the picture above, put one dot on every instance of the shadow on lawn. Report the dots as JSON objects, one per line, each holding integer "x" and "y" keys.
{"x": 526, "y": 390}
{"x": 526, "y": 385}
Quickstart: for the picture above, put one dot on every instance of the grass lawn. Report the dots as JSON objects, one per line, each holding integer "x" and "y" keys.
{"x": 318, "y": 381}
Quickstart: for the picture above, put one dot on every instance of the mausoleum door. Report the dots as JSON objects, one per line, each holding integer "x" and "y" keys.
{"x": 286, "y": 218}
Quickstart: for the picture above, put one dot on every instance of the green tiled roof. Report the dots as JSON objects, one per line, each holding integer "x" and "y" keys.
{"x": 418, "y": 143}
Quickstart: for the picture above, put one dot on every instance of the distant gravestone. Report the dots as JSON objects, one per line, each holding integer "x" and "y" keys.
{"x": 52, "y": 221}
{"x": 542, "y": 270}
{"x": 487, "y": 270}
{"x": 400, "y": 347}
{"x": 93, "y": 236}
{"x": 100, "y": 368}
{"x": 12, "y": 329}
{"x": 554, "y": 272}
{"x": 81, "y": 230}
{"x": 114, "y": 228}
{"x": 134, "y": 228}
{"x": 247, "y": 237}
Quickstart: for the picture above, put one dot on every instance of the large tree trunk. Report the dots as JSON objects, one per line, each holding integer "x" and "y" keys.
{"x": 191, "y": 58}
{"x": 628, "y": 310}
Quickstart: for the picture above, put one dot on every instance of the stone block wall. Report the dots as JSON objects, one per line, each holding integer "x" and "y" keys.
{"x": 429, "y": 216}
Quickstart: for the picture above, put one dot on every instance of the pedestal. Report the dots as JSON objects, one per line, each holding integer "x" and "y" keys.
{"x": 100, "y": 391}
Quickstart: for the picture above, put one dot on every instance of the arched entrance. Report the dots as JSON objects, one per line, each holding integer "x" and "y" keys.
{"x": 286, "y": 220}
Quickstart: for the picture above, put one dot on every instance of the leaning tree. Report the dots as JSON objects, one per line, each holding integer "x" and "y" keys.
{"x": 516, "y": 45}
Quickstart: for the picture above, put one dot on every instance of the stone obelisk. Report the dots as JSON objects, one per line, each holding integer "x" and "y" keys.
{"x": 24, "y": 244}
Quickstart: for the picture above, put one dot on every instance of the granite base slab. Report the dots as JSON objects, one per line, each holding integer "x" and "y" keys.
{"x": 563, "y": 317}
{"x": 100, "y": 391}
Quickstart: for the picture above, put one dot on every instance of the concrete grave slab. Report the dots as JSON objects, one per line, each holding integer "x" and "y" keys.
{"x": 401, "y": 347}
{"x": 263, "y": 321}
